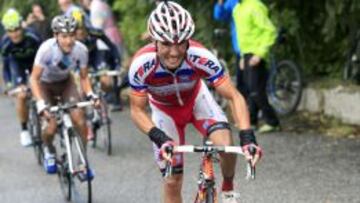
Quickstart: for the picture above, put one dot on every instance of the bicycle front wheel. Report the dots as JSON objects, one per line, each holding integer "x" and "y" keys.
{"x": 210, "y": 196}
{"x": 35, "y": 132}
{"x": 64, "y": 176}
{"x": 81, "y": 182}
{"x": 285, "y": 87}
{"x": 103, "y": 133}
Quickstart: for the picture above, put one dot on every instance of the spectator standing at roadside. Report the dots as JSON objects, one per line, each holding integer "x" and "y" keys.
{"x": 37, "y": 22}
{"x": 223, "y": 11}
{"x": 67, "y": 7}
{"x": 256, "y": 34}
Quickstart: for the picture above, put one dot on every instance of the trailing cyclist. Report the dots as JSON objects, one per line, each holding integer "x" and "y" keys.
{"x": 18, "y": 49}
{"x": 103, "y": 54}
{"x": 168, "y": 74}
{"x": 51, "y": 80}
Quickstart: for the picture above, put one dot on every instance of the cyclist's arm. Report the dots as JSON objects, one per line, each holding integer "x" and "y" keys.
{"x": 6, "y": 70}
{"x": 237, "y": 102}
{"x": 138, "y": 112}
{"x": 85, "y": 81}
{"x": 35, "y": 82}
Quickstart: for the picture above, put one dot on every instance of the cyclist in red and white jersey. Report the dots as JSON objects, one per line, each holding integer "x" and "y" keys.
{"x": 168, "y": 74}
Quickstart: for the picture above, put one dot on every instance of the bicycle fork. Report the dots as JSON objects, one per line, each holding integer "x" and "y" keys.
{"x": 206, "y": 181}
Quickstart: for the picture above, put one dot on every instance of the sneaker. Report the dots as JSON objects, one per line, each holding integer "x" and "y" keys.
{"x": 266, "y": 128}
{"x": 25, "y": 138}
{"x": 86, "y": 175}
{"x": 50, "y": 163}
{"x": 230, "y": 197}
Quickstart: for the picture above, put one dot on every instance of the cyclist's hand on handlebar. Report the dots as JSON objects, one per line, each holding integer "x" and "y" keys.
{"x": 166, "y": 151}
{"x": 251, "y": 150}
{"x": 42, "y": 109}
{"x": 252, "y": 153}
{"x": 46, "y": 114}
{"x": 95, "y": 98}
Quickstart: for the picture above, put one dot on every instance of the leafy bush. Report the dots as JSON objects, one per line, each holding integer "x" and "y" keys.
{"x": 319, "y": 31}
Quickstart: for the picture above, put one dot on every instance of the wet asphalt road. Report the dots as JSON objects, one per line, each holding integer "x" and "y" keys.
{"x": 296, "y": 168}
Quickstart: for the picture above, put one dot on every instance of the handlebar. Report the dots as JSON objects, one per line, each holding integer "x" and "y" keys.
{"x": 65, "y": 107}
{"x": 17, "y": 90}
{"x": 105, "y": 73}
{"x": 209, "y": 149}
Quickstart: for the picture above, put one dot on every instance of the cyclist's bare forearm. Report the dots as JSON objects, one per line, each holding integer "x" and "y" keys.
{"x": 35, "y": 82}
{"x": 139, "y": 114}
{"x": 85, "y": 81}
{"x": 237, "y": 102}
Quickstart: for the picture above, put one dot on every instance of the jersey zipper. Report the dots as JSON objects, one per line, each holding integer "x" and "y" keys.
{"x": 180, "y": 101}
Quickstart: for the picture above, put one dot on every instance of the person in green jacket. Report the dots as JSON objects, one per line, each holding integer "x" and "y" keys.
{"x": 256, "y": 35}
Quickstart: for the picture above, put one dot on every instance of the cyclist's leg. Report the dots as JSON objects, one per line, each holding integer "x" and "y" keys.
{"x": 19, "y": 79}
{"x": 106, "y": 83}
{"x": 256, "y": 79}
{"x": 71, "y": 95}
{"x": 50, "y": 125}
{"x": 172, "y": 185}
{"x": 211, "y": 121}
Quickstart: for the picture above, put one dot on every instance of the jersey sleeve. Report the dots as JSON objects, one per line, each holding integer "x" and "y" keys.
{"x": 207, "y": 65}
{"x": 41, "y": 56}
{"x": 137, "y": 78}
{"x": 83, "y": 56}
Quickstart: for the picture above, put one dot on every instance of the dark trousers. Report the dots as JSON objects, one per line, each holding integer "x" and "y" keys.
{"x": 251, "y": 82}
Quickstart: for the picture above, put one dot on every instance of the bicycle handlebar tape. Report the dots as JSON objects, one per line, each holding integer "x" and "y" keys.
{"x": 158, "y": 136}
{"x": 247, "y": 137}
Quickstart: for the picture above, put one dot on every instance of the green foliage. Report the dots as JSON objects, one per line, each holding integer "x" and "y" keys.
{"x": 319, "y": 32}
{"x": 133, "y": 21}
{"x": 134, "y": 16}
{"x": 24, "y": 6}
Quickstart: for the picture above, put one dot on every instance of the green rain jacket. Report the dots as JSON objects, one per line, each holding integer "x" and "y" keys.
{"x": 254, "y": 29}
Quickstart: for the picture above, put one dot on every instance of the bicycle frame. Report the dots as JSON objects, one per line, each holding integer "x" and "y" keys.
{"x": 206, "y": 181}
{"x": 66, "y": 126}
{"x": 66, "y": 129}
{"x": 72, "y": 143}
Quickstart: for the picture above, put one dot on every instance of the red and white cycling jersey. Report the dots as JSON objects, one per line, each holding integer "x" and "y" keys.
{"x": 180, "y": 97}
{"x": 147, "y": 76}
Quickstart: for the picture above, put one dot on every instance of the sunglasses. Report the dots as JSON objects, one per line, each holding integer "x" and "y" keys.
{"x": 13, "y": 30}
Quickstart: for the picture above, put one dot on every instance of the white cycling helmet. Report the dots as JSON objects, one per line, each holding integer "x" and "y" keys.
{"x": 64, "y": 24}
{"x": 170, "y": 22}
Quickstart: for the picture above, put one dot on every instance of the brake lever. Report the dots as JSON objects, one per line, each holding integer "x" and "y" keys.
{"x": 168, "y": 167}
{"x": 168, "y": 170}
{"x": 251, "y": 170}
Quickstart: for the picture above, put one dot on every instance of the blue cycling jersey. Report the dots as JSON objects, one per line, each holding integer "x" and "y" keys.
{"x": 17, "y": 58}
